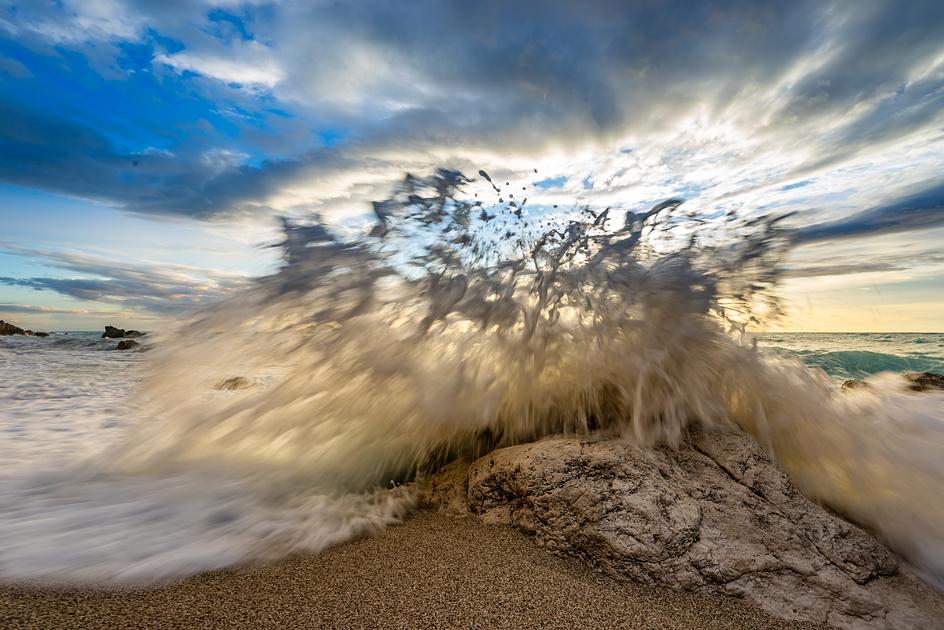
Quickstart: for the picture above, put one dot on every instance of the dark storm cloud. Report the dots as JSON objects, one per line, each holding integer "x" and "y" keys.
{"x": 418, "y": 76}
{"x": 924, "y": 210}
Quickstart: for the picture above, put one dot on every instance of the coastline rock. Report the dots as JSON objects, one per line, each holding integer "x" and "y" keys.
{"x": 111, "y": 332}
{"x": 7, "y": 328}
{"x": 236, "y": 382}
{"x": 855, "y": 384}
{"x": 715, "y": 515}
{"x": 128, "y": 344}
{"x": 923, "y": 381}
{"x": 40, "y": 334}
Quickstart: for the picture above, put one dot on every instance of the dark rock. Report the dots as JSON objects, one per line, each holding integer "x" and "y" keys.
{"x": 126, "y": 345}
{"x": 120, "y": 333}
{"x": 923, "y": 381}
{"x": 9, "y": 329}
{"x": 40, "y": 334}
{"x": 236, "y": 382}
{"x": 716, "y": 515}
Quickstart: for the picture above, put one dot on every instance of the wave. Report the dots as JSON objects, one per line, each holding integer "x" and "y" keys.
{"x": 454, "y": 327}
{"x": 862, "y": 363}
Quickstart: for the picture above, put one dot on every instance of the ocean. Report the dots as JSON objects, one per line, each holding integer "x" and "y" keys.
{"x": 68, "y": 396}
{"x": 306, "y": 409}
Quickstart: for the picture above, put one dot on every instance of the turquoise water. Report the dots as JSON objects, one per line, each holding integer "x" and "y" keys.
{"x": 857, "y": 355}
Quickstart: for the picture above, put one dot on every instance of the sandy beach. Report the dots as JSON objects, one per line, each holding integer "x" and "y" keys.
{"x": 432, "y": 572}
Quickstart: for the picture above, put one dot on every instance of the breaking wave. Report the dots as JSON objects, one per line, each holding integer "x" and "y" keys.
{"x": 452, "y": 327}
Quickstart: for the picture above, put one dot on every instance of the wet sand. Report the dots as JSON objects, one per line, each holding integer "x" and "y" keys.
{"x": 432, "y": 572}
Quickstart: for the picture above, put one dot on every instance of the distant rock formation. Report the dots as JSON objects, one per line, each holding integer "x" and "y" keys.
{"x": 40, "y": 334}
{"x": 111, "y": 332}
{"x": 715, "y": 515}
{"x": 127, "y": 344}
{"x": 9, "y": 329}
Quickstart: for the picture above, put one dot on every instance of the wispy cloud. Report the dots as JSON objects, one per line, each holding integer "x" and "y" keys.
{"x": 156, "y": 288}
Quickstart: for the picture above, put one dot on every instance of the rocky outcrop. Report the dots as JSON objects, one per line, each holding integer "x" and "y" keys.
{"x": 715, "y": 515}
{"x": 7, "y": 328}
{"x": 112, "y": 332}
{"x": 924, "y": 381}
{"x": 127, "y": 344}
{"x": 40, "y": 334}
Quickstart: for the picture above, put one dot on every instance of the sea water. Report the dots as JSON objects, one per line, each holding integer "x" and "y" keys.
{"x": 451, "y": 328}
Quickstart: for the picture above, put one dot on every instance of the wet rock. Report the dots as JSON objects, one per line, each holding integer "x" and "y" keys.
{"x": 855, "y": 384}
{"x": 40, "y": 334}
{"x": 924, "y": 381}
{"x": 9, "y": 329}
{"x": 236, "y": 382}
{"x": 111, "y": 332}
{"x": 127, "y": 344}
{"x": 715, "y": 515}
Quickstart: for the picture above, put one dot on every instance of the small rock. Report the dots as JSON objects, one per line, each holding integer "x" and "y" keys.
{"x": 855, "y": 384}
{"x": 236, "y": 382}
{"x": 126, "y": 345}
{"x": 131, "y": 334}
{"x": 40, "y": 334}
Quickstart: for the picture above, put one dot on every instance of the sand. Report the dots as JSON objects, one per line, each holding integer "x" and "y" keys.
{"x": 432, "y": 572}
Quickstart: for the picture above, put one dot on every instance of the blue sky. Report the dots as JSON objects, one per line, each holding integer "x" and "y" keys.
{"x": 147, "y": 148}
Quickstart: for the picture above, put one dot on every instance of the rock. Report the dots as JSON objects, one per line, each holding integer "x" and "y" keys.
{"x": 40, "y": 334}
{"x": 923, "y": 381}
{"x": 236, "y": 382}
{"x": 715, "y": 515}
{"x": 9, "y": 329}
{"x": 855, "y": 384}
{"x": 120, "y": 333}
{"x": 127, "y": 344}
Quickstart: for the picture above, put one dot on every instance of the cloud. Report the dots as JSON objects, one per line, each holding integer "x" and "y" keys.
{"x": 920, "y": 211}
{"x": 243, "y": 63}
{"x": 157, "y": 288}
{"x": 713, "y": 100}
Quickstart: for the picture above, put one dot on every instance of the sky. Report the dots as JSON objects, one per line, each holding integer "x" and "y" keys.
{"x": 148, "y": 148}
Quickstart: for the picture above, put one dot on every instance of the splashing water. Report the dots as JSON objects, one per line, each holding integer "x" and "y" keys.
{"x": 456, "y": 327}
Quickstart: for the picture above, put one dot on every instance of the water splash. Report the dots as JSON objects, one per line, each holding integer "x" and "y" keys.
{"x": 454, "y": 326}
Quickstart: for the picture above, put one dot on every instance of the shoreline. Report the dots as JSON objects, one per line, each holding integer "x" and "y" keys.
{"x": 432, "y": 571}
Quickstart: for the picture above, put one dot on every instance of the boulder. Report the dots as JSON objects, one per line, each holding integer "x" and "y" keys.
{"x": 924, "y": 381}
{"x": 112, "y": 332}
{"x": 40, "y": 334}
{"x": 9, "y": 329}
{"x": 127, "y": 344}
{"x": 714, "y": 515}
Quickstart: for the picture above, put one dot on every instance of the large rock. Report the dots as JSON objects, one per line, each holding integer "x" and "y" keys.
{"x": 7, "y": 328}
{"x": 714, "y": 515}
